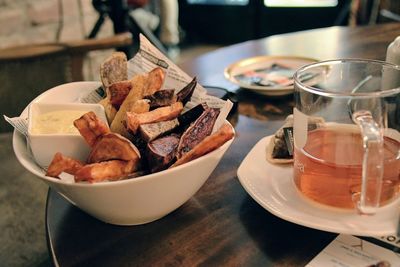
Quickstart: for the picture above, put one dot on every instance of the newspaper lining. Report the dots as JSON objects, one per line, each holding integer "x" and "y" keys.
{"x": 93, "y": 97}
{"x": 19, "y": 123}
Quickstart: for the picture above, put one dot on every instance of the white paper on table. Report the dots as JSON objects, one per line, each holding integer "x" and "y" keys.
{"x": 351, "y": 251}
{"x": 390, "y": 239}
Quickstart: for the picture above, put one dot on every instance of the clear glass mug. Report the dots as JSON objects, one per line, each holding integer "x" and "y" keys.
{"x": 347, "y": 133}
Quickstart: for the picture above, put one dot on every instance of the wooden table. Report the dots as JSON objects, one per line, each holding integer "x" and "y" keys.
{"x": 221, "y": 224}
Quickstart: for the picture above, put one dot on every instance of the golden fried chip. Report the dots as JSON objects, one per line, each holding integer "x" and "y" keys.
{"x": 114, "y": 69}
{"x": 134, "y": 120}
{"x": 154, "y": 82}
{"x": 109, "y": 109}
{"x": 106, "y": 170}
{"x": 91, "y": 127}
{"x": 61, "y": 163}
{"x": 140, "y": 106}
{"x": 113, "y": 146}
{"x": 118, "y": 92}
{"x": 142, "y": 84}
{"x": 138, "y": 83}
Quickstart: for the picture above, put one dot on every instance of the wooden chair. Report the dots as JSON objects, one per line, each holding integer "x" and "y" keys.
{"x": 364, "y": 12}
{"x": 26, "y": 71}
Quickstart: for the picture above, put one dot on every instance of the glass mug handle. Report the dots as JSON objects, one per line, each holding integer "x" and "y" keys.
{"x": 372, "y": 164}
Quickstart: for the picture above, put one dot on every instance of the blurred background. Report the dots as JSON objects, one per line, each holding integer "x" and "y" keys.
{"x": 44, "y": 43}
{"x": 188, "y": 23}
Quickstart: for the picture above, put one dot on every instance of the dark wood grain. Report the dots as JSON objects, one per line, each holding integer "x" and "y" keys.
{"x": 221, "y": 225}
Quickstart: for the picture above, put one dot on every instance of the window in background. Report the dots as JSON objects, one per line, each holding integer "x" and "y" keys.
{"x": 233, "y": 21}
{"x": 300, "y": 3}
{"x": 219, "y": 2}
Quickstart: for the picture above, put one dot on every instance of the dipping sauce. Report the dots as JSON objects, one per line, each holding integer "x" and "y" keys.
{"x": 56, "y": 122}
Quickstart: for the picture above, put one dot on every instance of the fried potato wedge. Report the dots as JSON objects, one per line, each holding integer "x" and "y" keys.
{"x": 134, "y": 120}
{"x": 109, "y": 109}
{"x": 114, "y": 69}
{"x": 155, "y": 81}
{"x": 186, "y": 118}
{"x": 142, "y": 84}
{"x": 91, "y": 127}
{"x": 151, "y": 131}
{"x": 140, "y": 106}
{"x": 136, "y": 93}
{"x": 160, "y": 152}
{"x": 61, "y": 163}
{"x": 209, "y": 144}
{"x": 197, "y": 131}
{"x": 186, "y": 93}
{"x": 161, "y": 98}
{"x": 107, "y": 170}
{"x": 113, "y": 146}
{"x": 118, "y": 92}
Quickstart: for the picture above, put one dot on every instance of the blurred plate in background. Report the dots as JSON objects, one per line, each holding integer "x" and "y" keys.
{"x": 268, "y": 75}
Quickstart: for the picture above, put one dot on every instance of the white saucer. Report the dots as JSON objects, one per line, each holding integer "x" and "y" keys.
{"x": 273, "y": 188}
{"x": 260, "y": 62}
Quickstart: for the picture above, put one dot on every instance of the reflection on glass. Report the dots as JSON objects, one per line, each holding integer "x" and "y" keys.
{"x": 300, "y": 3}
{"x": 219, "y": 2}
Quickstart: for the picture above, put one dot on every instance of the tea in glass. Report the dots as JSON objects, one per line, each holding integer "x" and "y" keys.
{"x": 328, "y": 168}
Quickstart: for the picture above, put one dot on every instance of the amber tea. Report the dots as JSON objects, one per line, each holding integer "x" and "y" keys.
{"x": 328, "y": 168}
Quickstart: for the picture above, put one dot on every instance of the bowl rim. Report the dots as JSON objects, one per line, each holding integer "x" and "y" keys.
{"x": 225, "y": 146}
{"x": 25, "y": 162}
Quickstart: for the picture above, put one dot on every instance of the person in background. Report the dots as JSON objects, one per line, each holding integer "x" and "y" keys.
{"x": 163, "y": 14}
{"x": 169, "y": 26}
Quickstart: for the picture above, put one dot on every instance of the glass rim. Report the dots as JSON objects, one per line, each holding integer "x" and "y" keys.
{"x": 323, "y": 92}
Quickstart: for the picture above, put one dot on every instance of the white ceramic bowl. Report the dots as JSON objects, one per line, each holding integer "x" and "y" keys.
{"x": 127, "y": 202}
{"x": 45, "y": 145}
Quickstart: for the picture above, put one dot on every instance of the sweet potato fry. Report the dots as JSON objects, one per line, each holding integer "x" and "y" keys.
{"x": 186, "y": 118}
{"x": 113, "y": 146}
{"x": 142, "y": 84}
{"x": 161, "y": 98}
{"x": 209, "y": 144}
{"x": 155, "y": 81}
{"x": 107, "y": 170}
{"x": 136, "y": 93}
{"x": 197, "y": 131}
{"x": 61, "y": 163}
{"x": 140, "y": 106}
{"x": 91, "y": 127}
{"x": 186, "y": 93}
{"x": 114, "y": 69}
{"x": 118, "y": 92}
{"x": 109, "y": 109}
{"x": 151, "y": 131}
{"x": 160, "y": 152}
{"x": 134, "y": 120}
{"x": 131, "y": 175}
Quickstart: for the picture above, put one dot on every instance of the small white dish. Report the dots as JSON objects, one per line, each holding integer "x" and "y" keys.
{"x": 273, "y": 188}
{"x": 45, "y": 144}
